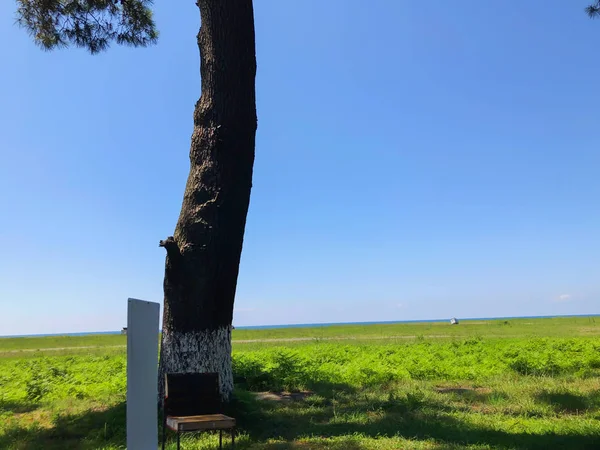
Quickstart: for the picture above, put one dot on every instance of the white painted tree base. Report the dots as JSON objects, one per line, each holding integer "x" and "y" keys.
{"x": 205, "y": 351}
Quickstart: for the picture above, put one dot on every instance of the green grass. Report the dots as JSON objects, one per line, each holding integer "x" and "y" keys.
{"x": 40, "y": 343}
{"x": 528, "y": 383}
{"x": 567, "y": 326}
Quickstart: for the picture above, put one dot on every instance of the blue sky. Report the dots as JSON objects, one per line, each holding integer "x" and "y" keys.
{"x": 414, "y": 161}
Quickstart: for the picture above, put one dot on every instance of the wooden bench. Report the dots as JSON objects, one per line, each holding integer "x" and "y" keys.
{"x": 193, "y": 403}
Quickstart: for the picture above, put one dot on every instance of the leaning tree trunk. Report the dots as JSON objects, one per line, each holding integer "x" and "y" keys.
{"x": 203, "y": 256}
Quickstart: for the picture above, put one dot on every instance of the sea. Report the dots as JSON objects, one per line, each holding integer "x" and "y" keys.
{"x": 312, "y": 325}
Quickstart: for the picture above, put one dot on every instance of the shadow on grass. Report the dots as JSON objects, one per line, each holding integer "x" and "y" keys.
{"x": 568, "y": 402}
{"x": 415, "y": 417}
{"x": 472, "y": 395}
{"x": 17, "y": 407}
{"x": 337, "y": 413}
{"x": 89, "y": 430}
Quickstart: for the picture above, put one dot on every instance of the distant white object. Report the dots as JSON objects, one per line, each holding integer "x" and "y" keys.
{"x": 454, "y": 321}
{"x": 142, "y": 374}
{"x": 124, "y": 330}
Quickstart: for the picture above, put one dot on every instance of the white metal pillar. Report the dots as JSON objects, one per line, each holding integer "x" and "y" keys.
{"x": 142, "y": 374}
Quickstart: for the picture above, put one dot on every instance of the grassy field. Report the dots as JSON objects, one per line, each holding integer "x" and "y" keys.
{"x": 505, "y": 384}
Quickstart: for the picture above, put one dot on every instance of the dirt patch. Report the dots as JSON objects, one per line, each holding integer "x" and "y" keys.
{"x": 56, "y": 349}
{"x": 283, "y": 396}
{"x": 454, "y": 390}
{"x": 461, "y": 390}
{"x": 338, "y": 338}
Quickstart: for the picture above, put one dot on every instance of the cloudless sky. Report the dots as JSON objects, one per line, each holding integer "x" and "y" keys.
{"x": 413, "y": 161}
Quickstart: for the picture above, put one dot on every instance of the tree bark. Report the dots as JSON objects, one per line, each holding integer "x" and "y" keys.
{"x": 203, "y": 255}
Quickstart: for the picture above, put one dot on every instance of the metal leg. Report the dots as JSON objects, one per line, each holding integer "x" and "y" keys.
{"x": 220, "y": 439}
{"x": 164, "y": 437}
{"x": 178, "y": 441}
{"x": 232, "y": 438}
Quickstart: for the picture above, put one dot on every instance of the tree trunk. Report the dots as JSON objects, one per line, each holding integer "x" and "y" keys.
{"x": 203, "y": 255}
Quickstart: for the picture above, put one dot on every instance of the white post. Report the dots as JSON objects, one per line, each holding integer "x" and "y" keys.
{"x": 142, "y": 374}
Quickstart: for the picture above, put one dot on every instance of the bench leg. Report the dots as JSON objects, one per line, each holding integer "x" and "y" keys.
{"x": 232, "y": 438}
{"x": 178, "y": 440}
{"x": 220, "y": 439}
{"x": 164, "y": 436}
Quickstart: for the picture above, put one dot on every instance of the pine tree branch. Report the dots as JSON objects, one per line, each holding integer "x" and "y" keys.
{"x": 90, "y": 24}
{"x": 593, "y": 10}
